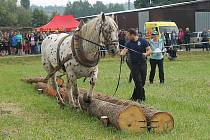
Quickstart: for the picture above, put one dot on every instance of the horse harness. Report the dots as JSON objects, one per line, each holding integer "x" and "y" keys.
{"x": 77, "y": 53}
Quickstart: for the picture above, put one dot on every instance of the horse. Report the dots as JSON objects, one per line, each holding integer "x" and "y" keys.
{"x": 78, "y": 54}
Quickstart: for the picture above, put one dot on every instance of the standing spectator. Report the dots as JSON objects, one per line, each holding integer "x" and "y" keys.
{"x": 187, "y": 39}
{"x": 138, "y": 49}
{"x": 204, "y": 36}
{"x": 14, "y": 43}
{"x": 27, "y": 49}
{"x": 6, "y": 43}
{"x": 19, "y": 39}
{"x": 32, "y": 43}
{"x": 10, "y": 42}
{"x": 1, "y": 43}
{"x": 180, "y": 38}
{"x": 36, "y": 39}
{"x": 157, "y": 46}
{"x": 173, "y": 38}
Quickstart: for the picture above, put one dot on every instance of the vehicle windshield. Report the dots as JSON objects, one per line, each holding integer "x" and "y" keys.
{"x": 168, "y": 29}
{"x": 209, "y": 33}
{"x": 194, "y": 34}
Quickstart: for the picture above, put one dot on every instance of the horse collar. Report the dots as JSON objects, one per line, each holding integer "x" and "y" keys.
{"x": 79, "y": 54}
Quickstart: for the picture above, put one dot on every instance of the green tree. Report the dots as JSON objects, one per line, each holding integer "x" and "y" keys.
{"x": 23, "y": 17}
{"x": 8, "y": 13}
{"x": 55, "y": 13}
{"x": 99, "y": 7}
{"x": 141, "y": 3}
{"x": 146, "y": 3}
{"x": 115, "y": 7}
{"x": 79, "y": 8}
{"x": 25, "y": 3}
{"x": 39, "y": 18}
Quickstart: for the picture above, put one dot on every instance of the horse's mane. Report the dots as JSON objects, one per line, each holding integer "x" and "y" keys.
{"x": 93, "y": 26}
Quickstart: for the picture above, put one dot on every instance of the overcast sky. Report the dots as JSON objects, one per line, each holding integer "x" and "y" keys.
{"x": 64, "y": 2}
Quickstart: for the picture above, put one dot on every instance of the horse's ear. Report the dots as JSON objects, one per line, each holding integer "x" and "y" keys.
{"x": 81, "y": 24}
{"x": 103, "y": 17}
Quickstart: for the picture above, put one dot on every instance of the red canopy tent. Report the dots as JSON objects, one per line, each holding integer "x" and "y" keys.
{"x": 60, "y": 23}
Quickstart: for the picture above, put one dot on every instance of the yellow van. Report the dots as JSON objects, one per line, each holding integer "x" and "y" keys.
{"x": 160, "y": 27}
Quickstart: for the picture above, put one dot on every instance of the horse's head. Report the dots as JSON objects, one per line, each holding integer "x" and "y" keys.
{"x": 109, "y": 34}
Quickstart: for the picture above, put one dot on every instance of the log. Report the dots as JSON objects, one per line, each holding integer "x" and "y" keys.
{"x": 34, "y": 80}
{"x": 49, "y": 91}
{"x": 59, "y": 80}
{"x": 123, "y": 114}
{"x": 126, "y": 118}
{"x": 158, "y": 121}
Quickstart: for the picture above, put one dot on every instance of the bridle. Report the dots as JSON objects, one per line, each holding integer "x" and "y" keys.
{"x": 113, "y": 42}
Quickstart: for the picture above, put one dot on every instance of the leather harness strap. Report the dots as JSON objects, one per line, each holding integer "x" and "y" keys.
{"x": 60, "y": 63}
{"x": 78, "y": 53}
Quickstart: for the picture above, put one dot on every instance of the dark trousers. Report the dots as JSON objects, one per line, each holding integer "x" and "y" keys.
{"x": 188, "y": 47}
{"x": 153, "y": 63}
{"x": 139, "y": 72}
{"x": 206, "y": 46}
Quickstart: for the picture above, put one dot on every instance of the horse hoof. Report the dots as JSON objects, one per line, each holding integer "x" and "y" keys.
{"x": 87, "y": 99}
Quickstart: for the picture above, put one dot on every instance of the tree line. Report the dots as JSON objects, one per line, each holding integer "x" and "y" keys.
{"x": 22, "y": 15}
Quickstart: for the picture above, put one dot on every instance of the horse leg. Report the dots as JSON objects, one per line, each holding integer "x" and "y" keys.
{"x": 87, "y": 98}
{"x": 69, "y": 91}
{"x": 74, "y": 92}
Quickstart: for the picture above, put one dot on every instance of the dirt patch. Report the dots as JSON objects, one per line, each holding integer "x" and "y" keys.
{"x": 9, "y": 109}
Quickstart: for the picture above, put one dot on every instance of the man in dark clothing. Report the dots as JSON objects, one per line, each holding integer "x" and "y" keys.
{"x": 187, "y": 39}
{"x": 204, "y": 36}
{"x": 138, "y": 49}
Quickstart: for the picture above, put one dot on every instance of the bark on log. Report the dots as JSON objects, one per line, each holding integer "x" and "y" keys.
{"x": 158, "y": 121}
{"x": 48, "y": 90}
{"x": 34, "y": 80}
{"x": 59, "y": 80}
{"x": 126, "y": 118}
{"x": 123, "y": 114}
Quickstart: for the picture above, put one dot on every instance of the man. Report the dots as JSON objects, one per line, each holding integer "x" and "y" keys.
{"x": 138, "y": 49}
{"x": 187, "y": 39}
{"x": 205, "y": 39}
{"x": 19, "y": 39}
{"x": 157, "y": 46}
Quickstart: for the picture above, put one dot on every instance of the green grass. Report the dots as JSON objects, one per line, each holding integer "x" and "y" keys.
{"x": 186, "y": 95}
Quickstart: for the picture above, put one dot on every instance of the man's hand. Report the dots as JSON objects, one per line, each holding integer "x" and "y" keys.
{"x": 123, "y": 52}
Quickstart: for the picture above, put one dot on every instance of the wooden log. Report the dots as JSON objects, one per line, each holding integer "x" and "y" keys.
{"x": 59, "y": 80}
{"x": 158, "y": 121}
{"x": 34, "y": 80}
{"x": 49, "y": 91}
{"x": 119, "y": 112}
{"x": 126, "y": 118}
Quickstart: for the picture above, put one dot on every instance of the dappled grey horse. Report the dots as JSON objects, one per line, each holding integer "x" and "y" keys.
{"x": 78, "y": 54}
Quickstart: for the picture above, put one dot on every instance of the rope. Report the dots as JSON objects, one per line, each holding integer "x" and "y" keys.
{"x": 119, "y": 77}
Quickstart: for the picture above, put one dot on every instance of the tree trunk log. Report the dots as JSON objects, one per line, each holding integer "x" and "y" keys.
{"x": 126, "y": 118}
{"x": 158, "y": 121}
{"x": 123, "y": 114}
{"x": 34, "y": 80}
{"x": 48, "y": 90}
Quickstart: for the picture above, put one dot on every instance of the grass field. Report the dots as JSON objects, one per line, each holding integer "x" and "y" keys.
{"x": 27, "y": 115}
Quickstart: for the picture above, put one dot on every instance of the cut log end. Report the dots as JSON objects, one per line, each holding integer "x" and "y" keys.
{"x": 162, "y": 122}
{"x": 132, "y": 119}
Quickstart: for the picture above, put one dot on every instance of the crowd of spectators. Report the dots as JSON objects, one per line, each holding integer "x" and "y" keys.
{"x": 19, "y": 43}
